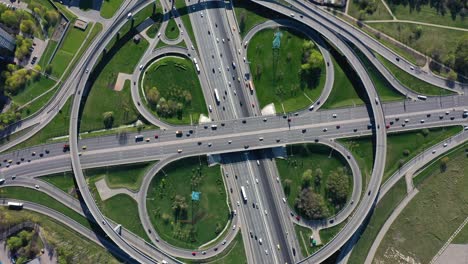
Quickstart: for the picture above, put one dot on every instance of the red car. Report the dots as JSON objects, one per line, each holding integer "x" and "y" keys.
{"x": 194, "y": 253}
{"x": 387, "y": 126}
{"x": 156, "y": 136}
{"x": 289, "y": 119}
{"x": 298, "y": 218}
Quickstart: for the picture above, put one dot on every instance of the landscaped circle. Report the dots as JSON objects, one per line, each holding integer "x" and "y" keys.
{"x": 172, "y": 91}
{"x": 287, "y": 69}
{"x": 186, "y": 203}
{"x": 317, "y": 181}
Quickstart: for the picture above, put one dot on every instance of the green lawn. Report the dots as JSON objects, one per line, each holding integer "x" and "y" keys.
{"x": 433, "y": 215}
{"x": 109, "y": 7}
{"x": 432, "y": 38}
{"x": 462, "y": 237}
{"x": 310, "y": 156}
{"x": 27, "y": 194}
{"x": 412, "y": 82}
{"x": 343, "y": 92}
{"x": 249, "y": 14}
{"x": 121, "y": 208}
{"x": 56, "y": 128}
{"x": 362, "y": 149}
{"x": 172, "y": 75}
{"x": 70, "y": 45}
{"x": 64, "y": 181}
{"x": 415, "y": 142}
{"x": 279, "y": 81}
{"x": 32, "y": 90}
{"x": 380, "y": 214}
{"x": 427, "y": 14}
{"x": 384, "y": 88}
{"x": 124, "y": 176}
{"x": 380, "y": 13}
{"x": 68, "y": 244}
{"x": 172, "y": 30}
{"x": 123, "y": 57}
{"x": 303, "y": 235}
{"x": 201, "y": 217}
{"x": 51, "y": 45}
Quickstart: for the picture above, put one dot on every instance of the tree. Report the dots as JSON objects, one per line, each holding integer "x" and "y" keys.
{"x": 14, "y": 243}
{"x": 444, "y": 163}
{"x": 108, "y": 119}
{"x": 287, "y": 186}
{"x": 337, "y": 187}
{"x": 52, "y": 17}
{"x": 452, "y": 76}
{"x": 311, "y": 204}
{"x": 10, "y": 18}
{"x": 27, "y": 26}
{"x": 461, "y": 57}
{"x": 318, "y": 177}
{"x": 179, "y": 206}
{"x": 48, "y": 69}
{"x": 153, "y": 96}
{"x": 243, "y": 17}
{"x": 406, "y": 152}
{"x": 425, "y": 132}
{"x": 306, "y": 178}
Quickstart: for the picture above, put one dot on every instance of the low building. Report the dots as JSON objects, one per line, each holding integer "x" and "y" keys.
{"x": 81, "y": 24}
{"x": 7, "y": 41}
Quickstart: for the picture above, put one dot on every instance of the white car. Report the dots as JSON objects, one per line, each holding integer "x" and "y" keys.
{"x": 422, "y": 121}
{"x": 179, "y": 151}
{"x": 223, "y": 40}
{"x": 260, "y": 138}
{"x": 141, "y": 67}
{"x": 406, "y": 120}
{"x": 334, "y": 115}
{"x": 238, "y": 203}
{"x": 201, "y": 14}
{"x": 210, "y": 108}
{"x": 244, "y": 59}
{"x": 256, "y": 180}
{"x": 159, "y": 34}
{"x": 445, "y": 145}
{"x": 129, "y": 15}
{"x": 229, "y": 141}
{"x": 192, "y": 47}
{"x": 234, "y": 227}
{"x": 217, "y": 40}
{"x": 36, "y": 186}
{"x": 292, "y": 15}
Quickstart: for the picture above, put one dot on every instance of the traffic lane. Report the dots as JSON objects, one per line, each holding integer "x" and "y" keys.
{"x": 220, "y": 143}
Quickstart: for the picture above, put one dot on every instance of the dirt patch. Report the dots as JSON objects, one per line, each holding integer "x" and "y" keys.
{"x": 119, "y": 84}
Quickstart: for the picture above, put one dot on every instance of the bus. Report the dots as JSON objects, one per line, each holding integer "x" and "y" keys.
{"x": 244, "y": 195}
{"x": 249, "y": 84}
{"x": 195, "y": 60}
{"x": 15, "y": 205}
{"x": 216, "y": 95}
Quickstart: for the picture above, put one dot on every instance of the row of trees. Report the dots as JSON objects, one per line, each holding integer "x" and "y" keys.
{"x": 309, "y": 202}
{"x": 312, "y": 61}
{"x": 24, "y": 245}
{"x": 173, "y": 106}
{"x": 16, "y": 78}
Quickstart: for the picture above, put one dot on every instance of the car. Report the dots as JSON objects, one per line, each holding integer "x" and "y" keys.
{"x": 246, "y": 146}
{"x": 334, "y": 115}
{"x": 292, "y": 15}
{"x": 238, "y": 203}
{"x": 355, "y": 130}
{"x": 277, "y": 179}
{"x": 266, "y": 212}
{"x": 266, "y": 251}
{"x": 129, "y": 15}
{"x": 141, "y": 67}
{"x": 278, "y": 140}
{"x": 33, "y": 153}
{"x": 411, "y": 68}
{"x": 387, "y": 126}
{"x": 156, "y": 136}
{"x": 217, "y": 40}
{"x": 179, "y": 151}
{"x": 422, "y": 121}
{"x": 87, "y": 70}
{"x": 215, "y": 249}
{"x": 406, "y": 120}
{"x": 234, "y": 227}
{"x": 452, "y": 118}
{"x": 441, "y": 117}
{"x": 445, "y": 145}
{"x": 256, "y": 180}
{"x": 325, "y": 129}
{"x": 338, "y": 126}
{"x": 428, "y": 115}
{"x": 244, "y": 121}
{"x": 223, "y": 40}
{"x": 244, "y": 59}
{"x": 148, "y": 139}
{"x": 209, "y": 144}
{"x": 296, "y": 114}
{"x": 403, "y": 125}
{"x": 229, "y": 141}
{"x": 298, "y": 218}
{"x": 194, "y": 253}
{"x": 434, "y": 151}
{"x": 253, "y": 105}
{"x": 203, "y": 252}
{"x": 264, "y": 119}
{"x": 260, "y": 241}
{"x": 201, "y": 14}
{"x": 289, "y": 120}
{"x": 278, "y": 247}
{"x": 224, "y": 242}
{"x": 304, "y": 130}
{"x": 159, "y": 34}
{"x": 260, "y": 138}
{"x": 36, "y": 186}
{"x": 84, "y": 147}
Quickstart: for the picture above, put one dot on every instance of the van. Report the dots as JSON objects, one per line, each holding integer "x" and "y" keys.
{"x": 422, "y": 97}
{"x": 138, "y": 138}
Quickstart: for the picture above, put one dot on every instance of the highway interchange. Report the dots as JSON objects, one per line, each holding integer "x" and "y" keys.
{"x": 222, "y": 47}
